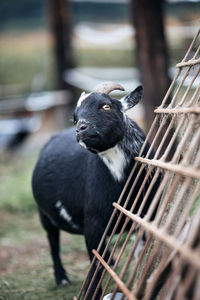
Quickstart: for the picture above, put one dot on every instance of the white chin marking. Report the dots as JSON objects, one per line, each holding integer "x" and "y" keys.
{"x": 114, "y": 158}
{"x": 83, "y": 144}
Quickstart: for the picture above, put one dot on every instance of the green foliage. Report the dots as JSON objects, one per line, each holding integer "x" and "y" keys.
{"x": 27, "y": 58}
{"x": 19, "y": 67}
{"x": 24, "y": 60}
{"x": 104, "y": 57}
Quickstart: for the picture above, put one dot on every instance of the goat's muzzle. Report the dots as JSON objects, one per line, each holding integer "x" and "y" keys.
{"x": 81, "y": 127}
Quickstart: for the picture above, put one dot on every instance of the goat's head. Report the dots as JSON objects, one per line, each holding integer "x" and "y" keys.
{"x": 100, "y": 120}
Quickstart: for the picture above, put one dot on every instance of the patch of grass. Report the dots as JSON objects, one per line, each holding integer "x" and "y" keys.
{"x": 31, "y": 286}
{"x": 15, "y": 184}
{"x": 40, "y": 289}
{"x": 26, "y": 270}
{"x": 14, "y": 228}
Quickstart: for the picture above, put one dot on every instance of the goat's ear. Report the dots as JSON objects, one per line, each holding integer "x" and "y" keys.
{"x": 132, "y": 98}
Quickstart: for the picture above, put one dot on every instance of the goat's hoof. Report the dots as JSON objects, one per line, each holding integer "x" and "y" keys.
{"x": 64, "y": 282}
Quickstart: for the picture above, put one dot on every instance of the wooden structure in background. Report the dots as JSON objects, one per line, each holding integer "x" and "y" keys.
{"x": 60, "y": 23}
{"x": 152, "y": 52}
{"x": 168, "y": 265}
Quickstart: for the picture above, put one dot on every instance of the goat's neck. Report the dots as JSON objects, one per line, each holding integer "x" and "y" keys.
{"x": 119, "y": 158}
{"x": 133, "y": 139}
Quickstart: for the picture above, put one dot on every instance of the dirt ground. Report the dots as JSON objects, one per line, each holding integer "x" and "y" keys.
{"x": 25, "y": 264}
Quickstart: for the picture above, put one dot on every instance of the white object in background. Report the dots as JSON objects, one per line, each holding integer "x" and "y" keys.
{"x": 118, "y": 296}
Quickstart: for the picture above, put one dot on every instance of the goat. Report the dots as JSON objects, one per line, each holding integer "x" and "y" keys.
{"x": 81, "y": 171}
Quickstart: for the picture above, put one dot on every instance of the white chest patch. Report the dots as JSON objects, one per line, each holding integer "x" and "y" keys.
{"x": 115, "y": 160}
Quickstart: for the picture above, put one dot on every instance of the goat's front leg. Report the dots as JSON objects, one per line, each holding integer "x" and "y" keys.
{"x": 53, "y": 238}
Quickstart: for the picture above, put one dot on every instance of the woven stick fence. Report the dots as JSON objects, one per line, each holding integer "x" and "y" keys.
{"x": 168, "y": 265}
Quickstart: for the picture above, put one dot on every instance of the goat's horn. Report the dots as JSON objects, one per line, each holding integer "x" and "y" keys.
{"x": 107, "y": 87}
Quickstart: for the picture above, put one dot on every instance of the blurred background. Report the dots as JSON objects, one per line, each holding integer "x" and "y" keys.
{"x": 49, "y": 52}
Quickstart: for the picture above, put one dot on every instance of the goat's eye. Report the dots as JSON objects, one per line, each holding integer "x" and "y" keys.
{"x": 106, "y": 107}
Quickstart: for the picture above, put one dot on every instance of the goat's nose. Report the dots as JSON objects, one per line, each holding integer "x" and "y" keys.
{"x": 81, "y": 127}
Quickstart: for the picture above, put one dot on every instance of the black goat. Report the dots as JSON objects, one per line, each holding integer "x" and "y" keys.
{"x": 75, "y": 186}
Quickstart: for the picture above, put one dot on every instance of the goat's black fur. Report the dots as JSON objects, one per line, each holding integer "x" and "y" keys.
{"x": 75, "y": 187}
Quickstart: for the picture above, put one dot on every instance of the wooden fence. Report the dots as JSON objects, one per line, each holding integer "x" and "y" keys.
{"x": 168, "y": 265}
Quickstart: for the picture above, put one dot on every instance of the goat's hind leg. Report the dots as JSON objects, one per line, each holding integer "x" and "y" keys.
{"x": 53, "y": 238}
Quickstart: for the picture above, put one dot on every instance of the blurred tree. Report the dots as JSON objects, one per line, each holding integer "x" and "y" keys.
{"x": 147, "y": 19}
{"x": 60, "y": 22}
